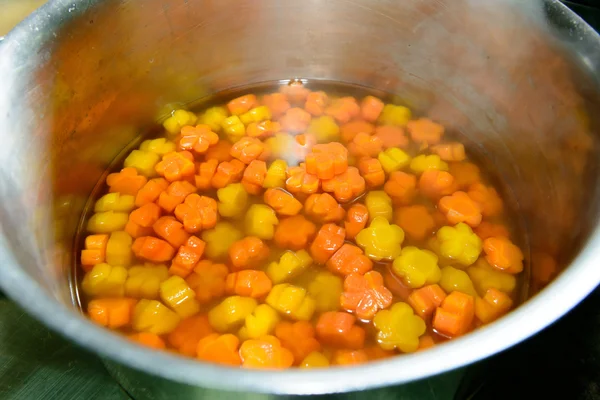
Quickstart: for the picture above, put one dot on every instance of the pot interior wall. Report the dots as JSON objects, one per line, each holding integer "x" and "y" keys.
{"x": 498, "y": 75}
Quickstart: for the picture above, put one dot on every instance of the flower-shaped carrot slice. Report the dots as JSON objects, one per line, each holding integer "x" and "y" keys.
{"x": 171, "y": 230}
{"x": 254, "y": 177}
{"x": 175, "y": 195}
{"x": 465, "y": 173}
{"x": 365, "y": 294}
{"x": 356, "y": 220}
{"x": 247, "y": 149}
{"x": 453, "y": 151}
{"x": 392, "y": 136}
{"x": 365, "y": 145}
{"x": 242, "y": 104}
{"x": 347, "y": 186}
{"x": 266, "y": 352}
{"x": 339, "y": 329}
{"x": 197, "y": 213}
{"x": 327, "y": 160}
{"x": 372, "y": 171}
{"x": 294, "y": 233}
{"x": 295, "y": 120}
{"x": 228, "y": 172}
{"x": 282, "y": 202}
{"x": 221, "y": 349}
{"x": 459, "y": 207}
{"x": 188, "y": 333}
{"x": 150, "y": 191}
{"x": 197, "y": 138}
{"x": 295, "y": 91}
{"x": 349, "y": 259}
{"x": 248, "y": 283}
{"x": 328, "y": 240}
{"x": 351, "y": 129}
{"x": 206, "y": 170}
{"x": 187, "y": 257}
{"x": 370, "y": 108}
{"x": 300, "y": 181}
{"x": 424, "y": 130}
{"x": 416, "y": 221}
{"x": 434, "y": 184}
{"x": 263, "y": 129}
{"x": 152, "y": 249}
{"x": 277, "y": 103}
{"x": 502, "y": 254}
{"x": 349, "y": 357}
{"x": 208, "y": 280}
{"x": 487, "y": 198}
{"x": 487, "y": 230}
{"x": 401, "y": 187}
{"x": 343, "y": 109}
{"x": 248, "y": 253}
{"x": 176, "y": 166}
{"x": 219, "y": 152}
{"x": 127, "y": 181}
{"x": 323, "y": 208}
{"x": 298, "y": 337}
{"x": 315, "y": 103}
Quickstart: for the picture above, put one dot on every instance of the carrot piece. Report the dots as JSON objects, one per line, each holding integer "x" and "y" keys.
{"x": 370, "y": 108}
{"x": 416, "y": 221}
{"x": 221, "y": 349}
{"x": 228, "y": 172}
{"x": 298, "y": 337}
{"x": 349, "y": 259}
{"x": 295, "y": 120}
{"x": 459, "y": 207}
{"x": 426, "y": 342}
{"x": 300, "y": 181}
{"x": 150, "y": 191}
{"x": 328, "y": 240}
{"x": 282, "y": 202}
{"x": 242, "y": 104}
{"x": 248, "y": 283}
{"x": 263, "y": 129}
{"x": 315, "y": 103}
{"x": 327, "y": 160}
{"x": 265, "y": 352}
{"x": 152, "y": 249}
{"x": 247, "y": 149}
{"x": 424, "y": 130}
{"x": 435, "y": 184}
{"x": 365, "y": 145}
{"x": 254, "y": 176}
{"x": 323, "y": 208}
{"x": 372, "y": 171}
{"x": 176, "y": 166}
{"x": 127, "y": 181}
{"x": 205, "y": 172}
{"x": 112, "y": 313}
{"x": 295, "y": 92}
{"x": 349, "y": 130}
{"x": 426, "y": 299}
{"x": 487, "y": 230}
{"x": 401, "y": 187}
{"x": 197, "y": 138}
{"x": 339, "y": 329}
{"x": 94, "y": 251}
{"x": 248, "y": 253}
{"x": 492, "y": 306}
{"x": 171, "y": 230}
{"x": 396, "y": 286}
{"x": 345, "y": 187}
{"x": 135, "y": 231}
{"x": 146, "y": 215}
{"x": 356, "y": 220}
{"x": 392, "y": 136}
{"x": 188, "y": 333}
{"x": 151, "y": 340}
{"x": 208, "y": 280}
{"x": 502, "y": 254}
{"x": 488, "y": 199}
{"x": 294, "y": 233}
{"x": 452, "y": 151}
{"x": 277, "y": 103}
{"x": 465, "y": 173}
{"x": 349, "y": 357}
{"x": 543, "y": 267}
{"x": 175, "y": 195}
{"x": 197, "y": 213}
{"x": 365, "y": 294}
{"x": 455, "y": 316}
{"x": 375, "y": 353}
{"x": 187, "y": 257}
{"x": 343, "y": 109}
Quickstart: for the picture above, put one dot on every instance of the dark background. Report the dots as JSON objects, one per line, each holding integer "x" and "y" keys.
{"x": 561, "y": 362}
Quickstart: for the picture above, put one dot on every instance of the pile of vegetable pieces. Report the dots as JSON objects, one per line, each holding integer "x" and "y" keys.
{"x": 298, "y": 229}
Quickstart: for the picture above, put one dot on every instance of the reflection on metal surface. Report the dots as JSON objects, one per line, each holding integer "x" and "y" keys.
{"x": 82, "y": 78}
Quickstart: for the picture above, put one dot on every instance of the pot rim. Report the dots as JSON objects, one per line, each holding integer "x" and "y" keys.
{"x": 565, "y": 292}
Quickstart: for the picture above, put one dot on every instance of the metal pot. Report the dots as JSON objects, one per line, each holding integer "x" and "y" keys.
{"x": 82, "y": 78}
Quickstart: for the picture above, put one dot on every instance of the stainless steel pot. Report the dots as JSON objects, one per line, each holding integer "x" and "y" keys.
{"x": 81, "y": 78}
